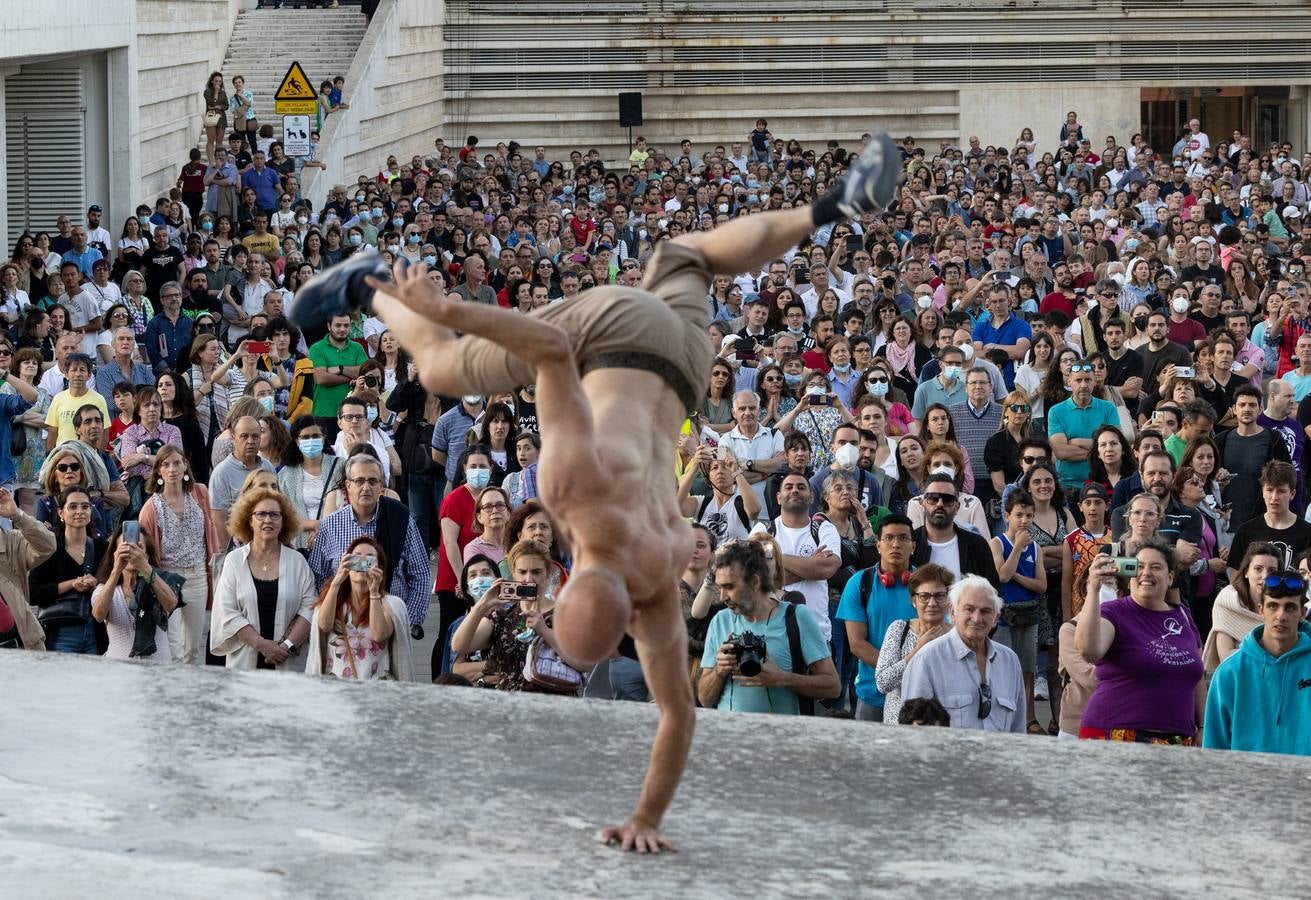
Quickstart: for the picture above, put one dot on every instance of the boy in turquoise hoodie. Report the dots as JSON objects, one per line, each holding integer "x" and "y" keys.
{"x": 1260, "y": 697}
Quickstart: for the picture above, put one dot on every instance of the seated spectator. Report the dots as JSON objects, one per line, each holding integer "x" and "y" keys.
{"x": 977, "y": 680}
{"x": 133, "y": 601}
{"x": 359, "y": 631}
{"x": 507, "y": 624}
{"x": 928, "y": 588}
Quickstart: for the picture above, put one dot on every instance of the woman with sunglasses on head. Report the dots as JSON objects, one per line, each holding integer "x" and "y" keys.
{"x": 1002, "y": 452}
{"x": 67, "y": 466}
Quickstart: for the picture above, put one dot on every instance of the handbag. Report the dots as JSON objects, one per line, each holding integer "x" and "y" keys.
{"x": 17, "y": 440}
{"x": 212, "y": 118}
{"x": 70, "y": 607}
{"x": 544, "y": 668}
{"x": 1022, "y": 614}
{"x": 416, "y": 452}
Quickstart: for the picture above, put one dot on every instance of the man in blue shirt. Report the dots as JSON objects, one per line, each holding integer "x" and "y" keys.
{"x": 873, "y": 599}
{"x": 266, "y": 183}
{"x": 1003, "y": 330}
{"x": 83, "y": 254}
{"x": 1071, "y": 423}
{"x": 169, "y": 331}
{"x": 449, "y": 432}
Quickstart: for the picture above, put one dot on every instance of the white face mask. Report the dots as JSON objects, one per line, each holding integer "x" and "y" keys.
{"x": 968, "y": 350}
{"x": 1180, "y": 305}
{"x": 847, "y": 456}
{"x": 924, "y": 301}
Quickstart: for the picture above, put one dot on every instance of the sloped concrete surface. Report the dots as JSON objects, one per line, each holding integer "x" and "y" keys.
{"x": 124, "y": 780}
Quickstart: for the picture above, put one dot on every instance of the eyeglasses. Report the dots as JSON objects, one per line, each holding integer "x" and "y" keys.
{"x": 985, "y": 700}
{"x": 1108, "y": 294}
{"x": 366, "y": 482}
{"x": 1275, "y": 582}
{"x": 772, "y": 379}
{"x": 268, "y": 514}
{"x": 351, "y": 417}
{"x": 493, "y": 506}
{"x": 69, "y": 467}
{"x": 1081, "y": 367}
{"x": 938, "y": 597}
{"x": 936, "y": 497}
{"x": 1019, "y": 407}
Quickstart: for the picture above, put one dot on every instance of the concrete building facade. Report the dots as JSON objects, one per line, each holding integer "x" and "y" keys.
{"x": 548, "y": 72}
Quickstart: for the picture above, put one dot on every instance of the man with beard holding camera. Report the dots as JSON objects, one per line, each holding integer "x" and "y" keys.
{"x": 748, "y": 664}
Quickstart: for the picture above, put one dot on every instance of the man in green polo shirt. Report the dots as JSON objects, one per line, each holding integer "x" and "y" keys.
{"x": 337, "y": 360}
{"x": 1071, "y": 423}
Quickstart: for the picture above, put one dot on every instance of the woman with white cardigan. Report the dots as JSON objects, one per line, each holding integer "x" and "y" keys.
{"x": 263, "y": 600}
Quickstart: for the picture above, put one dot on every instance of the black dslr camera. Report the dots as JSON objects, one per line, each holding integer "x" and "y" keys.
{"x": 750, "y": 652}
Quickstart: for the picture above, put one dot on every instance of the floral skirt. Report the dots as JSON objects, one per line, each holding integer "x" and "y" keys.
{"x": 1137, "y": 736}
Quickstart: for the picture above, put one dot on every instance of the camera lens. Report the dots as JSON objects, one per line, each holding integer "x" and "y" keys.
{"x": 750, "y": 663}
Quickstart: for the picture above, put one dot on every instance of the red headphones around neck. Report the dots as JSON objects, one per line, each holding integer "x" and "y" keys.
{"x": 893, "y": 580}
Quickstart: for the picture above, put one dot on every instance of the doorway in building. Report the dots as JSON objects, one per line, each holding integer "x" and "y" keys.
{"x": 1260, "y": 112}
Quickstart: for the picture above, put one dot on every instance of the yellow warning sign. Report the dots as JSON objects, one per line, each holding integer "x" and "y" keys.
{"x": 295, "y": 85}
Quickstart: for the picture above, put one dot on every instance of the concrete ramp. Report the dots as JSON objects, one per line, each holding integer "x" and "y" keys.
{"x": 123, "y": 780}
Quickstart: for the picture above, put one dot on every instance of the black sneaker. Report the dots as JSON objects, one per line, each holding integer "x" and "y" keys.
{"x": 872, "y": 180}
{"x": 336, "y": 291}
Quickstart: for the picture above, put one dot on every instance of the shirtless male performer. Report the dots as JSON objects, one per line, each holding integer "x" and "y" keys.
{"x": 635, "y": 359}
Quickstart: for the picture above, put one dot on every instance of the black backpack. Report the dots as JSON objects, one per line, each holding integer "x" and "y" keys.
{"x": 393, "y": 523}
{"x": 806, "y": 704}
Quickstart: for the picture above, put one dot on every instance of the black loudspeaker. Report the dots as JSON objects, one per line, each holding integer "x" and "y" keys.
{"x": 630, "y": 109}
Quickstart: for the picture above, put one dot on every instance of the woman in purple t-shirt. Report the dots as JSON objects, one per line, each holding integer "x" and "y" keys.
{"x": 1148, "y": 656}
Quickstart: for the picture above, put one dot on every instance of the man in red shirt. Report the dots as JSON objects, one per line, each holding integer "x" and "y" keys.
{"x": 1064, "y": 297}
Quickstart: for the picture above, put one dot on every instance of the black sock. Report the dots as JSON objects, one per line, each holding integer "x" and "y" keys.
{"x": 825, "y": 209}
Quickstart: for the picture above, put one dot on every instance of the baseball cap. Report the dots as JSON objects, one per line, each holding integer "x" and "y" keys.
{"x": 1093, "y": 489}
{"x": 753, "y": 298}
{"x": 1292, "y": 212}
{"x": 94, "y": 207}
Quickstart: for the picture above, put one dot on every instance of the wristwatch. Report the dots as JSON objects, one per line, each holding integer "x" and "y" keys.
{"x": 751, "y": 465}
{"x": 291, "y": 647}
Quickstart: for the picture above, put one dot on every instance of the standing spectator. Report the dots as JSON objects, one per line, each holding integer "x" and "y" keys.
{"x": 245, "y": 122}
{"x": 1002, "y": 330}
{"x": 1244, "y": 452}
{"x": 812, "y": 551}
{"x": 1071, "y": 424}
{"x": 977, "y": 680}
{"x": 1237, "y": 608}
{"x": 941, "y": 541}
{"x": 264, "y": 595}
{"x": 1278, "y": 525}
{"x": 152, "y": 602}
{"x": 1147, "y": 653}
{"x": 24, "y": 546}
{"x": 449, "y": 437}
{"x": 169, "y": 332}
{"x": 337, "y": 360}
{"x": 1023, "y": 586}
{"x": 62, "y": 584}
{"x": 757, "y": 448}
{"x": 308, "y": 476}
{"x": 122, "y": 368}
{"x": 226, "y": 480}
{"x": 216, "y": 116}
{"x": 975, "y": 421}
{"x": 162, "y": 262}
{"x": 1258, "y": 700}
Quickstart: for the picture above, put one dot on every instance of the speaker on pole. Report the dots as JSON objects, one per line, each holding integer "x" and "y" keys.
{"x": 630, "y": 109}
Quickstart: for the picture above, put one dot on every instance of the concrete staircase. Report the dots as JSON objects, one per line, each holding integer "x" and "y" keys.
{"x": 266, "y": 41}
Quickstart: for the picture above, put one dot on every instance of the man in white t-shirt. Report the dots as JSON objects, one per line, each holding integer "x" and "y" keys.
{"x": 812, "y": 551}
{"x": 83, "y": 311}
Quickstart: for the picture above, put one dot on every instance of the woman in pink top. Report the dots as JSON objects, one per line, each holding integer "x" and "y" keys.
{"x": 490, "y": 515}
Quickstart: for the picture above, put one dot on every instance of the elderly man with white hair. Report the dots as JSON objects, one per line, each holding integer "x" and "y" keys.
{"x": 977, "y": 680}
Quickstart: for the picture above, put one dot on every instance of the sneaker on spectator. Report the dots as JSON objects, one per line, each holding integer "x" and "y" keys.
{"x": 1040, "y": 688}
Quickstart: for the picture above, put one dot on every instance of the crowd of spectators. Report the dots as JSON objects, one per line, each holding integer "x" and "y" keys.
{"x": 1033, "y": 434}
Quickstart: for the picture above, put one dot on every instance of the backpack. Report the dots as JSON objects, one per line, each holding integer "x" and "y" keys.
{"x": 806, "y": 704}
{"x": 301, "y": 399}
{"x": 772, "y": 528}
{"x": 393, "y": 523}
{"x": 737, "y": 505}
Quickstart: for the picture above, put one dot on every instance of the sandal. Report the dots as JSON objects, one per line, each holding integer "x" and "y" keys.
{"x": 1054, "y": 729}
{"x": 1035, "y": 727}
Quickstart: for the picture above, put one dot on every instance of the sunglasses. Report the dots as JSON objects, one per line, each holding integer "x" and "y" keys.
{"x": 1081, "y": 367}
{"x": 985, "y": 700}
{"x": 1019, "y": 407}
{"x": 1033, "y": 460}
{"x": 69, "y": 467}
{"x": 936, "y": 497}
{"x": 1275, "y": 582}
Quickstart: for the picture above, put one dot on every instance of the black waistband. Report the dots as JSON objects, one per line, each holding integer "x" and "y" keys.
{"x": 645, "y": 362}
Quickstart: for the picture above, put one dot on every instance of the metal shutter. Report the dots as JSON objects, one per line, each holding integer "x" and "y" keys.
{"x": 45, "y": 146}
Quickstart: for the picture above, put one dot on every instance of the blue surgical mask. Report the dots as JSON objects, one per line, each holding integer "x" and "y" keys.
{"x": 357, "y": 240}
{"x": 431, "y": 260}
{"x": 843, "y": 369}
{"x": 478, "y": 478}
{"x": 478, "y": 586}
{"x": 311, "y": 448}
{"x": 378, "y": 215}
{"x": 878, "y": 388}
{"x": 398, "y": 221}
{"x": 792, "y": 379}
{"x": 359, "y": 198}
{"x": 267, "y": 403}
{"x": 952, "y": 372}
{"x": 372, "y": 413}
{"x": 412, "y": 239}
{"x": 206, "y": 226}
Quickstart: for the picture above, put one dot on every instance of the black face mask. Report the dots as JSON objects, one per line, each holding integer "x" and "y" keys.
{"x": 1140, "y": 323}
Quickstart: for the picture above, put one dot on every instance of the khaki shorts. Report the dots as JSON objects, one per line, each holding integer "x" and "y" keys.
{"x": 659, "y": 328}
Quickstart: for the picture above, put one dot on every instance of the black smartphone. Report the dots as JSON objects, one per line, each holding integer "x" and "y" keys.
{"x": 746, "y": 348}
